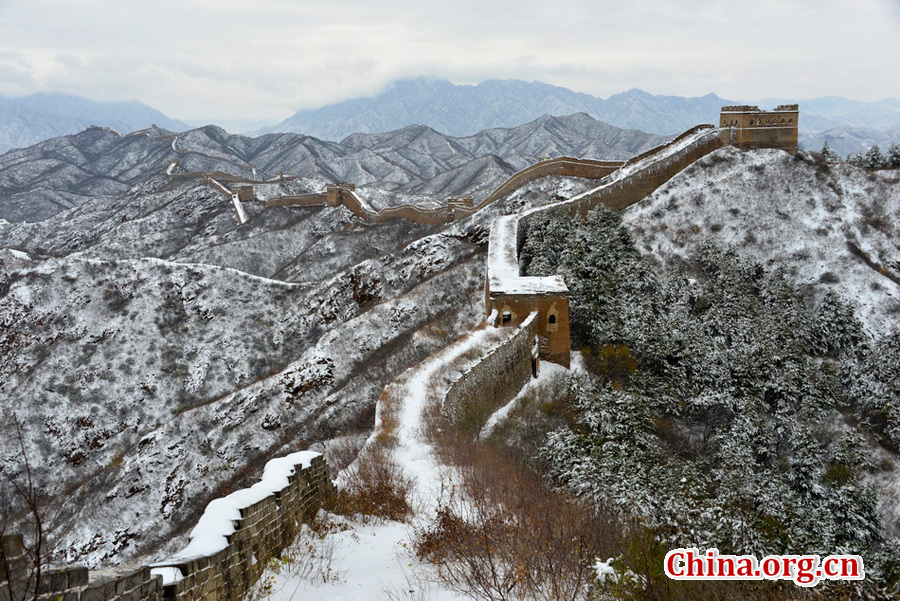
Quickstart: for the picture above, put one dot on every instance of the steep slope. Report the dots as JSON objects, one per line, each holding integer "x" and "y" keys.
{"x": 146, "y": 387}
{"x": 151, "y": 385}
{"x": 828, "y": 228}
{"x": 40, "y": 181}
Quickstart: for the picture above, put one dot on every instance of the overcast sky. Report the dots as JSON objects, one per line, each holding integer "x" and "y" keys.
{"x": 266, "y": 59}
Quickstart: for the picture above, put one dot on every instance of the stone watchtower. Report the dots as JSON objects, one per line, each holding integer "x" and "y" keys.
{"x": 512, "y": 297}
{"x": 748, "y": 127}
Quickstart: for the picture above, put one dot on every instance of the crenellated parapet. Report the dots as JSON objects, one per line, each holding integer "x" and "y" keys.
{"x": 512, "y": 297}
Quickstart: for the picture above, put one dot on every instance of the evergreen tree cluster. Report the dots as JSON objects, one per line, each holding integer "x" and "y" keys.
{"x": 721, "y": 409}
{"x": 873, "y": 158}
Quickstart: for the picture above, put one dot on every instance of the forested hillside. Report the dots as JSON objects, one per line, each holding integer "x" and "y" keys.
{"x": 721, "y": 407}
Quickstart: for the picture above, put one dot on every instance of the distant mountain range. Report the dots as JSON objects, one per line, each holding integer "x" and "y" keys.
{"x": 32, "y": 119}
{"x": 461, "y": 110}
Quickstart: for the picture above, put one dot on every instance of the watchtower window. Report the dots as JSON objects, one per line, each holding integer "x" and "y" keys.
{"x": 506, "y": 317}
{"x": 552, "y": 319}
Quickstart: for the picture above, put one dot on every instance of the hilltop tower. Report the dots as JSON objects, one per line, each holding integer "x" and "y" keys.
{"x": 748, "y": 127}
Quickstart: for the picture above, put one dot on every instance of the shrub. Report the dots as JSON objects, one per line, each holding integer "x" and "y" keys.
{"x": 504, "y": 534}
{"x": 376, "y": 486}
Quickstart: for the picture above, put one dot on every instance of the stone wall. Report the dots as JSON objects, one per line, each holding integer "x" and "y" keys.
{"x": 343, "y": 195}
{"x": 302, "y": 200}
{"x": 645, "y": 179}
{"x": 492, "y": 382}
{"x": 566, "y": 166}
{"x": 254, "y": 534}
{"x": 749, "y": 127}
{"x": 72, "y": 583}
{"x": 261, "y": 531}
{"x": 551, "y": 322}
{"x": 634, "y": 181}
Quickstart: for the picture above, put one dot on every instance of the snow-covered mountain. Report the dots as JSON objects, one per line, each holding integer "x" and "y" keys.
{"x": 847, "y": 141}
{"x": 464, "y": 109}
{"x": 29, "y": 120}
{"x": 61, "y": 173}
{"x": 831, "y": 228}
{"x": 156, "y": 353}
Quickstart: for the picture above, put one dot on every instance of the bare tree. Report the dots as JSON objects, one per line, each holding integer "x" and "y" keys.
{"x": 22, "y": 558}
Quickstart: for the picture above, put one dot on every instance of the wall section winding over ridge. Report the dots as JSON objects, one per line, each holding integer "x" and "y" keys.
{"x": 340, "y": 195}
{"x": 228, "y": 552}
{"x": 509, "y": 293}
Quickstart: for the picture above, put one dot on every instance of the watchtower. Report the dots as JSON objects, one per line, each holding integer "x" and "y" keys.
{"x": 748, "y": 127}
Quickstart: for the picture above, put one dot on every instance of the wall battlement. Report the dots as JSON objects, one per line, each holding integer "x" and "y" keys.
{"x": 456, "y": 208}
{"x": 226, "y": 556}
{"x": 514, "y": 297}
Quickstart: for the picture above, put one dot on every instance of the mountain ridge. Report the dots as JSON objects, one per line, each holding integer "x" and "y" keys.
{"x": 411, "y": 160}
{"x": 460, "y": 110}
{"x": 31, "y": 119}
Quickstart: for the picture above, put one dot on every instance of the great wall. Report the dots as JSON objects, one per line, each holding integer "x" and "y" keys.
{"x": 237, "y": 535}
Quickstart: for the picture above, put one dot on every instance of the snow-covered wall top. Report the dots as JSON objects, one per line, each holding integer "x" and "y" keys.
{"x": 503, "y": 251}
{"x": 503, "y": 263}
{"x": 228, "y": 550}
{"x": 358, "y": 203}
{"x": 237, "y": 534}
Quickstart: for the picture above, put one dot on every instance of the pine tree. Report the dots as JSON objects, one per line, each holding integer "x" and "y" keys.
{"x": 894, "y": 156}
{"x": 874, "y": 159}
{"x": 836, "y": 330}
{"x": 830, "y": 156}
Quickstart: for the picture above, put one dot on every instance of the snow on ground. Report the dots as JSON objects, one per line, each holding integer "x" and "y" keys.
{"x": 785, "y": 212}
{"x": 547, "y": 372}
{"x": 376, "y": 560}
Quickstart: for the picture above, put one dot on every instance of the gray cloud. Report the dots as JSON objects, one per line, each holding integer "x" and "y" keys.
{"x": 266, "y": 59}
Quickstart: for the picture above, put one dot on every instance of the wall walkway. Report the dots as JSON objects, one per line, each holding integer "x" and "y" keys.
{"x": 493, "y": 380}
{"x": 514, "y": 296}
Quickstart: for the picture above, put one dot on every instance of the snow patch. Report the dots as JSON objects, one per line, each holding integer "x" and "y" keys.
{"x": 169, "y": 575}
{"x": 210, "y": 535}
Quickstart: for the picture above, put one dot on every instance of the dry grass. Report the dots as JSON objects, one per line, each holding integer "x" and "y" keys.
{"x": 376, "y": 486}
{"x": 503, "y": 533}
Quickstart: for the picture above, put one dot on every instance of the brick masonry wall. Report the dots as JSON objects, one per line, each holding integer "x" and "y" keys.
{"x": 566, "y": 166}
{"x": 492, "y": 382}
{"x": 651, "y": 170}
{"x": 264, "y": 529}
{"x": 640, "y": 184}
{"x": 71, "y": 583}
